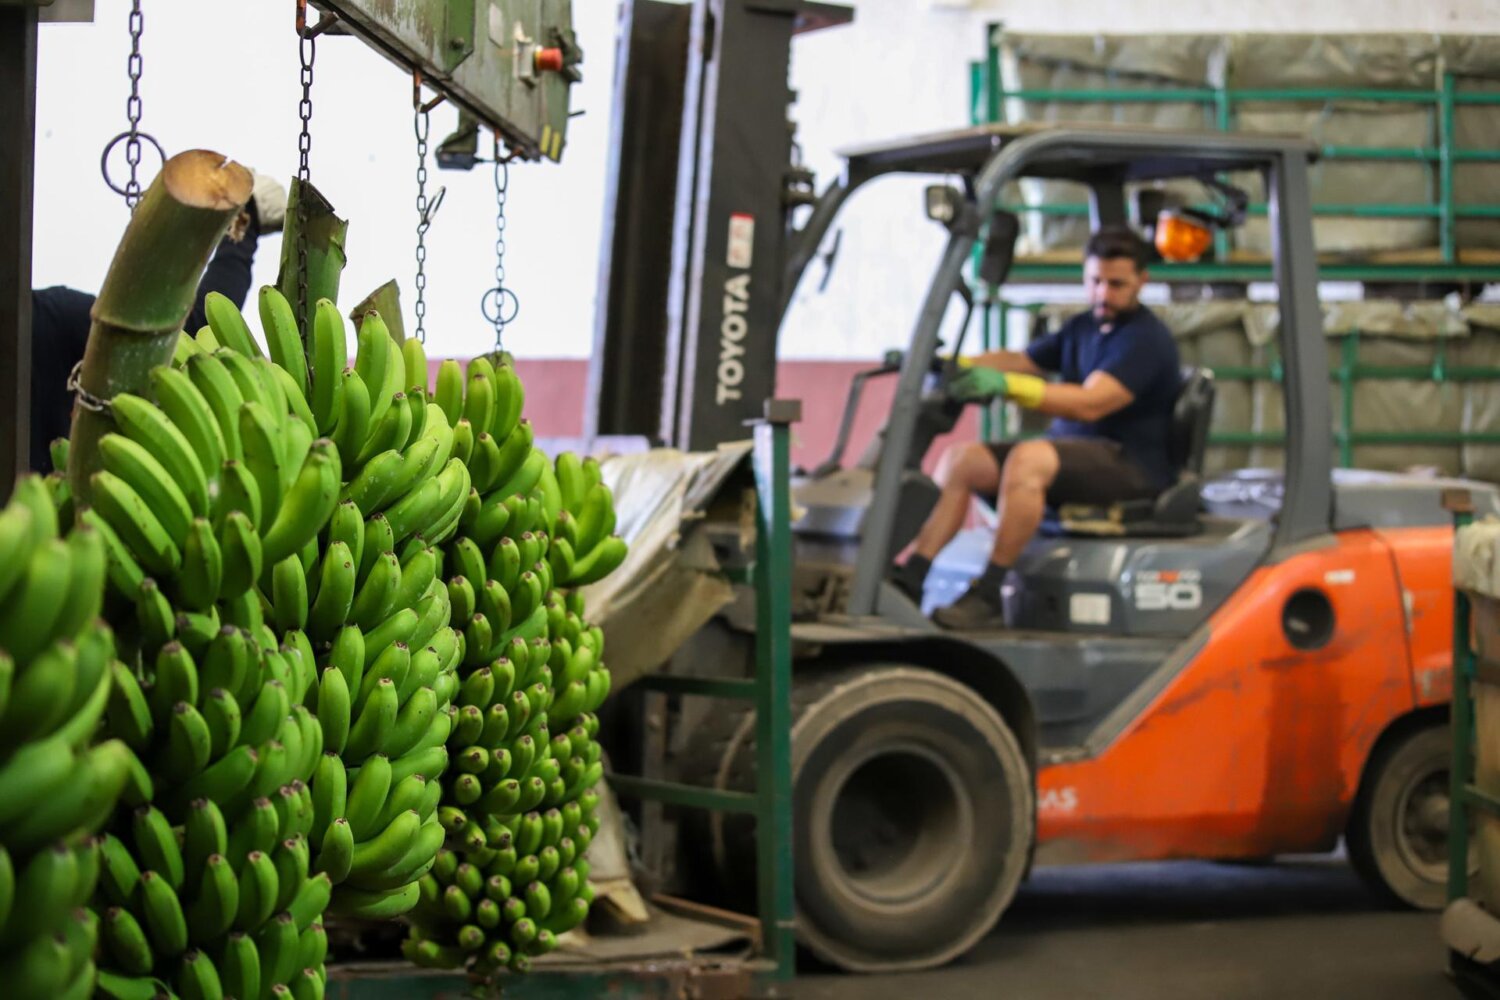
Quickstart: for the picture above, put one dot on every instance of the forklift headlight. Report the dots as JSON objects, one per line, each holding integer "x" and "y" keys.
{"x": 1180, "y": 237}
{"x": 943, "y": 203}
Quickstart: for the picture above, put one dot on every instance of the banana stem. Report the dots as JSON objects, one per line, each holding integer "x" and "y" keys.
{"x": 324, "y": 234}
{"x": 385, "y": 300}
{"x": 150, "y": 288}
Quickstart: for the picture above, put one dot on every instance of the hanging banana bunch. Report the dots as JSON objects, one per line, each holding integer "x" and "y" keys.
{"x": 58, "y": 786}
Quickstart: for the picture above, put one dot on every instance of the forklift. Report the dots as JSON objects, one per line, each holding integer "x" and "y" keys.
{"x": 1240, "y": 668}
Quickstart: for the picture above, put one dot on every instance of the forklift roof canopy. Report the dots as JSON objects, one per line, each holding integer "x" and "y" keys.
{"x": 1083, "y": 152}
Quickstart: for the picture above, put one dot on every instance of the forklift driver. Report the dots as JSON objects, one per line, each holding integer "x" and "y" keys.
{"x": 1112, "y": 409}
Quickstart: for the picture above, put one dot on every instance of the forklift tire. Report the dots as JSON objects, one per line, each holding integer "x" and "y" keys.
{"x": 1397, "y": 835}
{"x": 913, "y": 816}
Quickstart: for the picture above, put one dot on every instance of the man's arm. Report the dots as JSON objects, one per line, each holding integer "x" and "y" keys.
{"x": 1006, "y": 361}
{"x": 1100, "y": 395}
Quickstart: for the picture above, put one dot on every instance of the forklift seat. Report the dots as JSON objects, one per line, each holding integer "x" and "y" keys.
{"x": 1174, "y": 512}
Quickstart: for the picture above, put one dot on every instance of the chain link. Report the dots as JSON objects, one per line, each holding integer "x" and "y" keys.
{"x": 133, "y": 68}
{"x": 307, "y": 51}
{"x": 499, "y": 304}
{"x": 421, "y": 123}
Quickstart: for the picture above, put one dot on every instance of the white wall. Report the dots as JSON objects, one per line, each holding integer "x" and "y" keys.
{"x": 222, "y": 74}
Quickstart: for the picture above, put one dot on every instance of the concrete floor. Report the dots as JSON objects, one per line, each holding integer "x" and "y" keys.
{"x": 1304, "y": 928}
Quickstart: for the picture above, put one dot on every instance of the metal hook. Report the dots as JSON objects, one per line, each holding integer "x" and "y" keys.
{"x": 432, "y": 206}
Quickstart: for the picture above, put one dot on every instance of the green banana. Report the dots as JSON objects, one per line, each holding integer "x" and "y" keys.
{"x": 125, "y": 941}
{"x": 224, "y": 781}
{"x": 27, "y": 622}
{"x": 166, "y": 926}
{"x": 376, "y": 596}
{"x": 277, "y": 943}
{"x": 307, "y": 506}
{"x": 212, "y": 911}
{"x": 337, "y": 852}
{"x": 283, "y": 340}
{"x": 289, "y": 594}
{"x": 202, "y": 567}
{"x": 378, "y": 905}
{"x": 329, "y": 360}
{"x": 218, "y": 388}
{"x": 370, "y": 728}
{"x": 156, "y": 844}
{"x": 378, "y": 540}
{"x": 189, "y": 744}
{"x": 411, "y": 723}
{"x": 450, "y": 390}
{"x": 354, "y": 420}
{"x": 198, "y": 977}
{"x": 243, "y": 555}
{"x": 228, "y": 325}
{"x": 190, "y": 412}
{"x": 239, "y": 966}
{"x": 291, "y": 859}
{"x": 258, "y": 889}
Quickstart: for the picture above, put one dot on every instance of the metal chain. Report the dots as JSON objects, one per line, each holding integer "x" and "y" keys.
{"x": 133, "y": 68}
{"x": 499, "y": 304}
{"x": 307, "y": 51}
{"x": 421, "y": 123}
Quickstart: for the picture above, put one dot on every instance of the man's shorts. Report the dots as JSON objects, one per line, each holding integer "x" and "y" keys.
{"x": 1090, "y": 471}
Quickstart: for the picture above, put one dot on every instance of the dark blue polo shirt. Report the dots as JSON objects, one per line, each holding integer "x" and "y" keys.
{"x": 1138, "y": 351}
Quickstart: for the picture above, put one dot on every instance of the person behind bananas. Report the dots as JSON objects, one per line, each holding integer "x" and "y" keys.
{"x": 1111, "y": 408}
{"x": 60, "y": 317}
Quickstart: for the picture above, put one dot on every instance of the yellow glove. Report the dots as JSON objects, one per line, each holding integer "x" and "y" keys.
{"x": 1025, "y": 390}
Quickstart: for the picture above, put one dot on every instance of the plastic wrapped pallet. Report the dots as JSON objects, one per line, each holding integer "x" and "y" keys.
{"x": 1100, "y": 62}
{"x": 1387, "y": 62}
{"x": 1476, "y": 570}
{"x": 1475, "y": 62}
{"x": 1481, "y": 398}
{"x": 1389, "y": 334}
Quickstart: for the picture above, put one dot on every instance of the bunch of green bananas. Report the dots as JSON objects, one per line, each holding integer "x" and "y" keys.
{"x": 530, "y": 665}
{"x": 274, "y": 533}
{"x": 56, "y": 789}
{"x": 501, "y": 913}
{"x": 206, "y": 498}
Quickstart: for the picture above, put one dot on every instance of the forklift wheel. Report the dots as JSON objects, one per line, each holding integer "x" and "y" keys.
{"x": 913, "y": 809}
{"x": 1398, "y": 830}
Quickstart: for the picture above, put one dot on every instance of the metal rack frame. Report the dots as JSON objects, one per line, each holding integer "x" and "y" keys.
{"x": 987, "y": 99}
{"x": 770, "y": 689}
{"x": 995, "y": 334}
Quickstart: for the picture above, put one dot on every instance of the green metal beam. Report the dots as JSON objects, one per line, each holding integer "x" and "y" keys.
{"x": 1242, "y": 272}
{"x": 676, "y": 794}
{"x": 712, "y": 687}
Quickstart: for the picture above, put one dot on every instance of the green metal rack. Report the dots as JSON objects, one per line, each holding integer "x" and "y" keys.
{"x": 987, "y": 104}
{"x": 1464, "y": 796}
{"x": 770, "y": 973}
{"x": 771, "y": 802}
{"x": 995, "y": 334}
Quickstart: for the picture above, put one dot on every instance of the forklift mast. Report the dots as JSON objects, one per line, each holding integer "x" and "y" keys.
{"x": 701, "y": 185}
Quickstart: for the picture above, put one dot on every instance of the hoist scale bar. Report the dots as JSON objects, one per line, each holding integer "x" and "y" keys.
{"x": 509, "y": 63}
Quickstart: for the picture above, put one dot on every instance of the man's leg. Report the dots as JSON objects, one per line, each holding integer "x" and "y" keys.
{"x": 962, "y": 471}
{"x": 1029, "y": 470}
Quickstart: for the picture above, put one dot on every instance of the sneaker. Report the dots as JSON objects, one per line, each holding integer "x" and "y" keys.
{"x": 975, "y": 610}
{"x": 908, "y": 587}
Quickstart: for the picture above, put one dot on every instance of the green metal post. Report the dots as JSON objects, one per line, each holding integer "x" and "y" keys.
{"x": 994, "y": 108}
{"x": 1346, "y": 387}
{"x": 1445, "y": 170}
{"x": 986, "y": 315}
{"x": 1222, "y": 117}
{"x": 773, "y": 703}
{"x": 1460, "y": 773}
